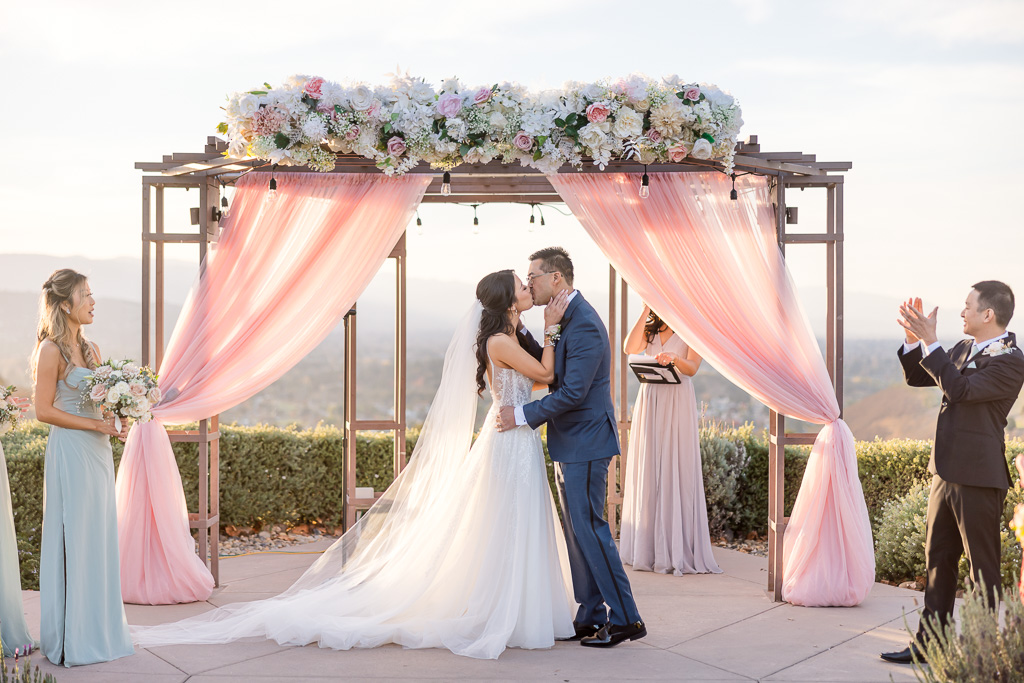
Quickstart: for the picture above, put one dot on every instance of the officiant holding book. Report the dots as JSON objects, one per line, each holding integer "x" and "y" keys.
{"x": 664, "y": 512}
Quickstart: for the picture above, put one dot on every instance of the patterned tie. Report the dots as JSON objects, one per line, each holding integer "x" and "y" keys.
{"x": 974, "y": 351}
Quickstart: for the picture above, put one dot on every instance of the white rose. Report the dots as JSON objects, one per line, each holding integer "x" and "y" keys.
{"x": 248, "y": 105}
{"x": 701, "y": 149}
{"x": 361, "y": 98}
{"x": 498, "y": 120}
{"x": 121, "y": 388}
{"x": 451, "y": 85}
{"x": 628, "y": 123}
{"x": 593, "y": 135}
{"x": 113, "y": 395}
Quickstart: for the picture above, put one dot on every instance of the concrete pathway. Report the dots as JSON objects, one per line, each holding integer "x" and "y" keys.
{"x": 701, "y": 628}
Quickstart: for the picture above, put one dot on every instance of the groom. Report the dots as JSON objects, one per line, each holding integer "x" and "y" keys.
{"x": 980, "y": 379}
{"x": 582, "y": 439}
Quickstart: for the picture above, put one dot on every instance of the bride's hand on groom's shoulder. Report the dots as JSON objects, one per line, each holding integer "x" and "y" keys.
{"x": 555, "y": 309}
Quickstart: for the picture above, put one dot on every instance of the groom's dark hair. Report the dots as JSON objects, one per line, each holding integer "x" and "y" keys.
{"x": 997, "y": 296}
{"x": 555, "y": 259}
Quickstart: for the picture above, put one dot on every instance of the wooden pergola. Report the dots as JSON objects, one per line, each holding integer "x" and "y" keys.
{"x": 210, "y": 170}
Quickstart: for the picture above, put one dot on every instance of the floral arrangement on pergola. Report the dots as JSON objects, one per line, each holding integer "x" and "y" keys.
{"x": 307, "y": 120}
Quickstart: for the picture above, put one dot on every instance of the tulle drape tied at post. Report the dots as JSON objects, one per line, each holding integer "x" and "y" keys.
{"x": 281, "y": 277}
{"x": 711, "y": 268}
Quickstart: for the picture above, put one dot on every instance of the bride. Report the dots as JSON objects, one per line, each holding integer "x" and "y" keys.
{"x": 461, "y": 551}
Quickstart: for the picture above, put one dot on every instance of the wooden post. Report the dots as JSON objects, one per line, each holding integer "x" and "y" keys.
{"x": 399, "y": 254}
{"x": 159, "y": 247}
{"x": 777, "y": 442}
{"x": 350, "y": 507}
{"x": 146, "y": 250}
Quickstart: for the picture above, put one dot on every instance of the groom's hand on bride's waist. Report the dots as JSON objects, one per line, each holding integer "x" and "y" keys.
{"x": 506, "y": 418}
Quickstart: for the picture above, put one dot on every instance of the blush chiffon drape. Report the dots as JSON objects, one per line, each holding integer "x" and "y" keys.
{"x": 712, "y": 269}
{"x": 283, "y": 274}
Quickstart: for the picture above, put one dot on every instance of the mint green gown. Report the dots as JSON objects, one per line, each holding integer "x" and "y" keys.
{"x": 13, "y": 629}
{"x": 82, "y": 617}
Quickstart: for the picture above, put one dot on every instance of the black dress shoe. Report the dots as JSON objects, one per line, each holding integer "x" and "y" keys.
{"x": 611, "y": 635}
{"x": 905, "y": 656}
{"x": 582, "y": 631}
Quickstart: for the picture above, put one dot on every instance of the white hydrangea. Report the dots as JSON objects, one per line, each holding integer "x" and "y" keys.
{"x": 314, "y": 128}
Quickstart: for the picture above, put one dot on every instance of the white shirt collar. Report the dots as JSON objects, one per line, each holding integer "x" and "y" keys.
{"x": 983, "y": 344}
{"x": 572, "y": 295}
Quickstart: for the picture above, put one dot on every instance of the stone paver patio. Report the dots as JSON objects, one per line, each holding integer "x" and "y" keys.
{"x": 702, "y": 628}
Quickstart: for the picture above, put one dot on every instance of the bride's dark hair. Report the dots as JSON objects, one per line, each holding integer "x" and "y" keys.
{"x": 497, "y": 294}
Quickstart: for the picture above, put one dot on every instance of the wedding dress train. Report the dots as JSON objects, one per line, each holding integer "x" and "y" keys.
{"x": 464, "y": 551}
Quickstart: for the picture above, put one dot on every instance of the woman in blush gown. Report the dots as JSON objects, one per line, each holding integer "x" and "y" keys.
{"x": 463, "y": 551}
{"x": 664, "y": 512}
{"x": 82, "y": 617}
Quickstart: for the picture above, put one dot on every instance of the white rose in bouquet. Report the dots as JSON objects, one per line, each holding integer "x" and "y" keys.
{"x": 628, "y": 123}
{"x": 361, "y": 98}
{"x": 701, "y": 149}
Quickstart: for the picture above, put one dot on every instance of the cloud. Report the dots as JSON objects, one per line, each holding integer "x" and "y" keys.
{"x": 951, "y": 22}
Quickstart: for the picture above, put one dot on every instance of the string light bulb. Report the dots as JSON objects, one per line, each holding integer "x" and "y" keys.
{"x": 541, "y": 212}
{"x": 272, "y": 193}
{"x": 645, "y": 184}
{"x": 476, "y": 221}
{"x": 419, "y": 224}
{"x": 446, "y": 184}
{"x": 733, "y": 194}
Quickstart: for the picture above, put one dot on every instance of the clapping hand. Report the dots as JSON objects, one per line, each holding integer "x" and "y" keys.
{"x": 918, "y": 326}
{"x": 22, "y": 403}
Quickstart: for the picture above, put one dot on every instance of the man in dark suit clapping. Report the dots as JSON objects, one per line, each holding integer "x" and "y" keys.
{"x": 980, "y": 379}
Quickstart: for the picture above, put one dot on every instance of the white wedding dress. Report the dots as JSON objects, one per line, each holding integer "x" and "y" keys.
{"x": 464, "y": 551}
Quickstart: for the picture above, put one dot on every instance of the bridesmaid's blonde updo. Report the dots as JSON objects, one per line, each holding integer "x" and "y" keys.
{"x": 55, "y": 304}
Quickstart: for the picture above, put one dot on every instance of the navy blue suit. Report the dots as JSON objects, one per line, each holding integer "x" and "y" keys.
{"x": 582, "y": 439}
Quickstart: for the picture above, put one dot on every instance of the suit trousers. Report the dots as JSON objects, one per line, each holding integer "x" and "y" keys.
{"x": 598, "y": 577}
{"x": 961, "y": 519}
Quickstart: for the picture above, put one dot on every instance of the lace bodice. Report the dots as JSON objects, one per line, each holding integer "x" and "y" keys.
{"x": 510, "y": 387}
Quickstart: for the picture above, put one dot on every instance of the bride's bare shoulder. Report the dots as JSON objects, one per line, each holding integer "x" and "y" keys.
{"x": 500, "y": 348}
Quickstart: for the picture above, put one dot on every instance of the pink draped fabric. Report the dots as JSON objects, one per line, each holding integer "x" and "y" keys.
{"x": 711, "y": 268}
{"x": 282, "y": 276}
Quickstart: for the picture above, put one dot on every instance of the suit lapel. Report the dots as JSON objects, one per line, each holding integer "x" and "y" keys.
{"x": 1010, "y": 339}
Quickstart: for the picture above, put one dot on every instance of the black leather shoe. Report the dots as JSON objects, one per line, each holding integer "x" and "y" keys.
{"x": 611, "y": 635}
{"x": 583, "y": 630}
{"x": 905, "y": 656}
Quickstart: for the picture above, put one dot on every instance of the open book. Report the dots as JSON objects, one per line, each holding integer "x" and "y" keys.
{"x": 649, "y": 371}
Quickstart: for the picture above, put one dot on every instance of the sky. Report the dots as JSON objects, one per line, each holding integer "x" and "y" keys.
{"x": 925, "y": 98}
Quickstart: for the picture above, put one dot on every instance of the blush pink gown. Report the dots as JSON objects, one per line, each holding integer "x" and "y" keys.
{"x": 664, "y": 512}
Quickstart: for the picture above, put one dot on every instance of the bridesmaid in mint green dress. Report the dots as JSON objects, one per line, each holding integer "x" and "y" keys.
{"x": 82, "y": 618}
{"x": 13, "y": 629}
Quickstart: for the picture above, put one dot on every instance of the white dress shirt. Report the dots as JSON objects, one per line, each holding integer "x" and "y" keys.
{"x": 520, "y": 415}
{"x": 907, "y": 348}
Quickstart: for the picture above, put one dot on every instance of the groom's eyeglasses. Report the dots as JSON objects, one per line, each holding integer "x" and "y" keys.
{"x": 531, "y": 277}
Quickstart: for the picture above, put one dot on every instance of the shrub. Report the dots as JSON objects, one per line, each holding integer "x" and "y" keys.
{"x": 723, "y": 456}
{"x": 982, "y": 651}
{"x": 752, "y": 483}
{"x": 899, "y": 542}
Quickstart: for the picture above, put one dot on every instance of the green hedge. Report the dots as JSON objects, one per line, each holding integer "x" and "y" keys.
{"x": 292, "y": 476}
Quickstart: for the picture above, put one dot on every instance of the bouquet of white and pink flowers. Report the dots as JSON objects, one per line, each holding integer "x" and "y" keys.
{"x": 124, "y": 389}
{"x": 10, "y": 407}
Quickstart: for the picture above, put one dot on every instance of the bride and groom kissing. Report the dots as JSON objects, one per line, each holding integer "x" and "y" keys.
{"x": 464, "y": 551}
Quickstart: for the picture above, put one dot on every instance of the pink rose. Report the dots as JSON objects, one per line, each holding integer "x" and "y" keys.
{"x": 692, "y": 93}
{"x": 136, "y": 390}
{"x": 597, "y": 112}
{"x": 654, "y": 135}
{"x": 130, "y": 368}
{"x": 313, "y": 87}
{"x": 374, "y": 109}
{"x": 481, "y": 96}
{"x": 449, "y": 105}
{"x": 352, "y": 133}
{"x": 98, "y": 393}
{"x": 154, "y": 395}
{"x": 523, "y": 141}
{"x": 102, "y": 372}
{"x": 677, "y": 153}
{"x": 396, "y": 146}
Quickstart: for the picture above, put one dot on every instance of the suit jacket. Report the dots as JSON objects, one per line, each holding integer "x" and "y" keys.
{"x": 970, "y": 442}
{"x": 578, "y": 408}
